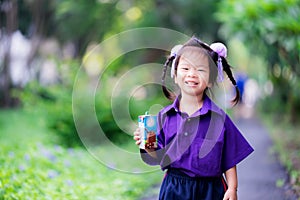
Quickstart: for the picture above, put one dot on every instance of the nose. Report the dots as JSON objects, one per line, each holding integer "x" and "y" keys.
{"x": 192, "y": 72}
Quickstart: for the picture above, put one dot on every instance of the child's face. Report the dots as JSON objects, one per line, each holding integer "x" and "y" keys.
{"x": 193, "y": 72}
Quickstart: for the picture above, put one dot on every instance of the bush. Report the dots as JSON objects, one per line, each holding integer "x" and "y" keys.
{"x": 57, "y": 102}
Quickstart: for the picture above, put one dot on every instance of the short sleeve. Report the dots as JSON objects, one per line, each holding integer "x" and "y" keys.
{"x": 236, "y": 148}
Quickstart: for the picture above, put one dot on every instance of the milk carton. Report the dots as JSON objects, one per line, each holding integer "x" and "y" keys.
{"x": 148, "y": 126}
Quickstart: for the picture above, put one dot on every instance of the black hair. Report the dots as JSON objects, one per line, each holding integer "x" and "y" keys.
{"x": 195, "y": 42}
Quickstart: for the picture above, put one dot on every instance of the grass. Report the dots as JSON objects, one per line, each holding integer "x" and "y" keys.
{"x": 34, "y": 167}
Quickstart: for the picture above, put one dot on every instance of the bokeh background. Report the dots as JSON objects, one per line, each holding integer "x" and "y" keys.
{"x": 43, "y": 45}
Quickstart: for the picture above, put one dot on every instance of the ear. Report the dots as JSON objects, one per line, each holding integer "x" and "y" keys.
{"x": 209, "y": 85}
{"x": 175, "y": 78}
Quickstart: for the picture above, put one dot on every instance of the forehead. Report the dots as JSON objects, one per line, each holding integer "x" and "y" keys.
{"x": 194, "y": 55}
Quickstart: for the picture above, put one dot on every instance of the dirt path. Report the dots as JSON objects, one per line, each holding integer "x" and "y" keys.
{"x": 260, "y": 173}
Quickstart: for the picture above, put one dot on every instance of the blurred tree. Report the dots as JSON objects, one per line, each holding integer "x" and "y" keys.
{"x": 77, "y": 23}
{"x": 272, "y": 30}
{"x": 83, "y": 21}
{"x": 31, "y": 17}
{"x": 187, "y": 16}
{"x": 9, "y": 17}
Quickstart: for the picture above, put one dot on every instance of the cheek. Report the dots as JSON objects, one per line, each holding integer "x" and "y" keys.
{"x": 204, "y": 77}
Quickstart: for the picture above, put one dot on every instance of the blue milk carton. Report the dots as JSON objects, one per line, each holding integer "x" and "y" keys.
{"x": 148, "y": 128}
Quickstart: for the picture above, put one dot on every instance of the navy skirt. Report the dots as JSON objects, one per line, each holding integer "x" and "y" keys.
{"x": 179, "y": 186}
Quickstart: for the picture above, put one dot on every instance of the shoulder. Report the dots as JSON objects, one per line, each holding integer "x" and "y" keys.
{"x": 221, "y": 115}
{"x": 164, "y": 112}
{"x": 210, "y": 105}
{"x": 170, "y": 108}
{"x": 166, "y": 109}
{"x": 230, "y": 127}
{"x": 215, "y": 108}
{"x": 228, "y": 121}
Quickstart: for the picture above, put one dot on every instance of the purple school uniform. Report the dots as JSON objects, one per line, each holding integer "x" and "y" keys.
{"x": 205, "y": 144}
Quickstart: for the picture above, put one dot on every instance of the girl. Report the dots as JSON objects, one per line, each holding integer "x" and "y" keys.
{"x": 197, "y": 141}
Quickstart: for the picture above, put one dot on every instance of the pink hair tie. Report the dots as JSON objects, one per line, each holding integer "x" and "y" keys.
{"x": 221, "y": 50}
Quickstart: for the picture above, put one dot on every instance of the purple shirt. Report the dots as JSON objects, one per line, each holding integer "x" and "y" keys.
{"x": 205, "y": 144}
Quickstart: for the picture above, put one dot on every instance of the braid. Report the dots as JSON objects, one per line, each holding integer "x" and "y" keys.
{"x": 167, "y": 92}
{"x": 226, "y": 68}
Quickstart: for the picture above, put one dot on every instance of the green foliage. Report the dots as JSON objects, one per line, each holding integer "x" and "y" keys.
{"x": 271, "y": 30}
{"x": 83, "y": 21}
{"x": 117, "y": 104}
{"x": 188, "y": 16}
{"x": 287, "y": 144}
{"x": 262, "y": 21}
{"x": 34, "y": 168}
{"x": 57, "y": 173}
{"x": 56, "y": 101}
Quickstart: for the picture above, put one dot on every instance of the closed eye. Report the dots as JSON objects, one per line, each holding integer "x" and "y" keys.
{"x": 201, "y": 70}
{"x": 184, "y": 67}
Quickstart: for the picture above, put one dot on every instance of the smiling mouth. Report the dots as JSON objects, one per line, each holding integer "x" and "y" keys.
{"x": 191, "y": 83}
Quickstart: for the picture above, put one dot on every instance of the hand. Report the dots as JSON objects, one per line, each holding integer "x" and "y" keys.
{"x": 230, "y": 194}
{"x": 137, "y": 136}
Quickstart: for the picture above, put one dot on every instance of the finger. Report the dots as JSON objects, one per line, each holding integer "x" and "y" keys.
{"x": 137, "y": 131}
{"x": 150, "y": 148}
{"x": 138, "y": 142}
{"x": 136, "y": 137}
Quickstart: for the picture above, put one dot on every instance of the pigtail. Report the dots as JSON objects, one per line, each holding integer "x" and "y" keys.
{"x": 227, "y": 69}
{"x": 170, "y": 95}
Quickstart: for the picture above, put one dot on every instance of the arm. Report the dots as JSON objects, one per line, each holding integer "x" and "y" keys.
{"x": 231, "y": 177}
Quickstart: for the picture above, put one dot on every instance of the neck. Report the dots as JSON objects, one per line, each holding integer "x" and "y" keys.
{"x": 190, "y": 104}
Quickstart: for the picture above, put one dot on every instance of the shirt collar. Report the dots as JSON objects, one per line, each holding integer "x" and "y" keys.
{"x": 208, "y": 105}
